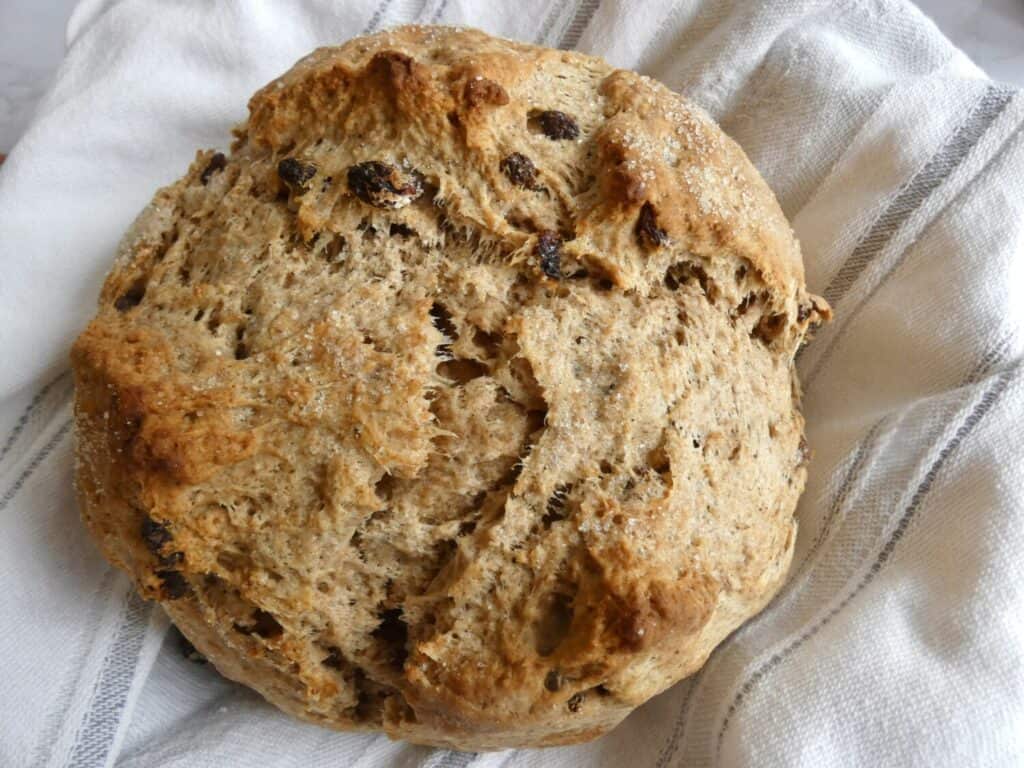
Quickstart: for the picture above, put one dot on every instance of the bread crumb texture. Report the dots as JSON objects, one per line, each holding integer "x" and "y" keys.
{"x": 457, "y": 400}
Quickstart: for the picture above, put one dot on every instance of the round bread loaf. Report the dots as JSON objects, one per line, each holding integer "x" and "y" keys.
{"x": 458, "y": 400}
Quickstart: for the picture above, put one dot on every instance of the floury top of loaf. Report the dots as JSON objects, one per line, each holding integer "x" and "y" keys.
{"x": 457, "y": 400}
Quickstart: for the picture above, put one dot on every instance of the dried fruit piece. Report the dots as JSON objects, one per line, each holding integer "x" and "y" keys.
{"x": 217, "y": 163}
{"x": 174, "y": 584}
{"x": 132, "y": 297}
{"x": 575, "y": 702}
{"x": 382, "y": 185}
{"x": 520, "y": 170}
{"x": 154, "y": 534}
{"x": 174, "y": 558}
{"x": 295, "y": 173}
{"x": 549, "y": 247}
{"x": 648, "y": 233}
{"x": 557, "y": 125}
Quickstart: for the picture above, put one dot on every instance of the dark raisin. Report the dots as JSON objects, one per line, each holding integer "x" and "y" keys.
{"x": 520, "y": 170}
{"x": 558, "y": 125}
{"x": 295, "y": 173}
{"x": 217, "y": 163}
{"x": 334, "y": 659}
{"x": 382, "y": 185}
{"x": 174, "y": 584}
{"x": 174, "y": 558}
{"x": 553, "y": 680}
{"x": 132, "y": 297}
{"x": 575, "y": 702}
{"x": 648, "y": 233}
{"x": 154, "y": 534}
{"x": 803, "y": 312}
{"x": 548, "y": 248}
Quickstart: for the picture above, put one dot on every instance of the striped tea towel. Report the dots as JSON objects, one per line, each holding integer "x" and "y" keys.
{"x": 899, "y": 639}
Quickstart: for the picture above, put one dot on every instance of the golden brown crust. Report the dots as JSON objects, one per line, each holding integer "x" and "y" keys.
{"x": 457, "y": 402}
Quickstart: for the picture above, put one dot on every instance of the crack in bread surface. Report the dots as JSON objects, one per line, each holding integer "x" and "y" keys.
{"x": 409, "y": 435}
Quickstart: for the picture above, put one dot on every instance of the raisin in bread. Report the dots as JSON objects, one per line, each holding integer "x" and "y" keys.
{"x": 457, "y": 401}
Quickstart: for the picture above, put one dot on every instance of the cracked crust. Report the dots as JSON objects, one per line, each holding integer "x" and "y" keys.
{"x": 458, "y": 400}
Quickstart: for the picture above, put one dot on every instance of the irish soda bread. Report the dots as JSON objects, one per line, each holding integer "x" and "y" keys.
{"x": 457, "y": 400}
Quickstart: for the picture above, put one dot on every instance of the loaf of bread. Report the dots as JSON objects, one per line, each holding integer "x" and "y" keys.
{"x": 457, "y": 400}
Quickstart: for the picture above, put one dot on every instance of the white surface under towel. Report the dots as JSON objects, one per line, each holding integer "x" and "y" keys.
{"x": 899, "y": 639}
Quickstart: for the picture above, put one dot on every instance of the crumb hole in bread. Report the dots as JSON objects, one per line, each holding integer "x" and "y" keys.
{"x": 385, "y": 487}
{"x": 657, "y": 459}
{"x": 555, "y": 509}
{"x": 241, "y": 349}
{"x": 261, "y": 623}
{"x": 684, "y": 272}
{"x": 769, "y": 327}
{"x": 489, "y": 343}
{"x": 442, "y": 320}
{"x": 402, "y": 230}
{"x": 552, "y": 627}
{"x": 393, "y": 633}
{"x": 745, "y": 303}
{"x": 132, "y": 297}
{"x": 214, "y": 319}
{"x": 334, "y": 658}
{"x": 461, "y": 371}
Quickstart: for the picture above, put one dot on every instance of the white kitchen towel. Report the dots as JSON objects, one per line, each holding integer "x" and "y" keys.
{"x": 899, "y": 639}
